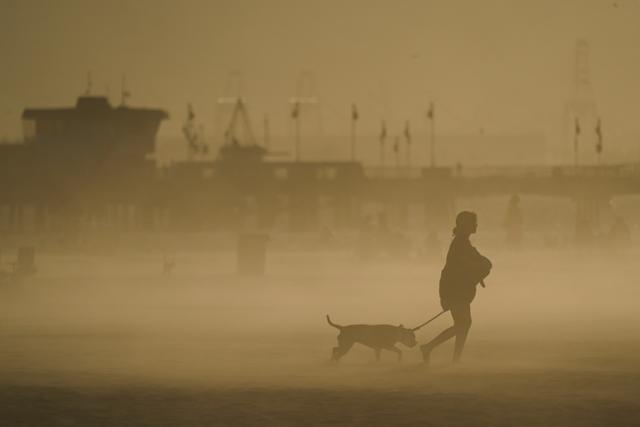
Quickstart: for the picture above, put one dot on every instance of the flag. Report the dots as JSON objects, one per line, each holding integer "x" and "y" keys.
{"x": 354, "y": 112}
{"x": 577, "y": 127}
{"x": 431, "y": 112}
{"x": 407, "y": 132}
{"x": 295, "y": 111}
{"x": 599, "y": 134}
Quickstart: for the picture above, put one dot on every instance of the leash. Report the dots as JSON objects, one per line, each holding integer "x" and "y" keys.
{"x": 430, "y": 320}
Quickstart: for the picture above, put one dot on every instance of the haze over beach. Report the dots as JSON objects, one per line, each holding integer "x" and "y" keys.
{"x": 188, "y": 189}
{"x": 497, "y": 66}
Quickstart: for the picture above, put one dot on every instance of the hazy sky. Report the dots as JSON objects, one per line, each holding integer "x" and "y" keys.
{"x": 497, "y": 65}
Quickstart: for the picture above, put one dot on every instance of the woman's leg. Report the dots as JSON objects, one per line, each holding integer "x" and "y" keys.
{"x": 461, "y": 314}
{"x": 444, "y": 336}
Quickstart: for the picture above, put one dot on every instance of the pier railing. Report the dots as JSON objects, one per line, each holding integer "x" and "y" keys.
{"x": 631, "y": 170}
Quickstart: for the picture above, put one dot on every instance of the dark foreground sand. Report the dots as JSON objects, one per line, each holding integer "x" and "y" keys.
{"x": 106, "y": 341}
{"x": 183, "y": 406}
{"x": 389, "y": 396}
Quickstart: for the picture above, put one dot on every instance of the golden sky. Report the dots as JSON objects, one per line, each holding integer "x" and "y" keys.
{"x": 504, "y": 66}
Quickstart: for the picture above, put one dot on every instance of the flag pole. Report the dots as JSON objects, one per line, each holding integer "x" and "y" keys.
{"x": 576, "y": 133}
{"x": 383, "y": 137}
{"x": 407, "y": 136}
{"x": 432, "y": 135}
{"x": 396, "y": 149}
{"x": 353, "y": 140}
{"x": 599, "y": 142}
{"x": 296, "y": 121}
{"x": 267, "y": 135}
{"x": 354, "y": 119}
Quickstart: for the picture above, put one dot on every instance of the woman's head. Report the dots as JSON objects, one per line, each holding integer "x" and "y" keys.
{"x": 466, "y": 223}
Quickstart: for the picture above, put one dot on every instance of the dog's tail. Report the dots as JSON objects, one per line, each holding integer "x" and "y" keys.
{"x": 333, "y": 324}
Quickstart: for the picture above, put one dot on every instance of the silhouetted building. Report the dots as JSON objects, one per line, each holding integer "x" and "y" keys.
{"x": 77, "y": 161}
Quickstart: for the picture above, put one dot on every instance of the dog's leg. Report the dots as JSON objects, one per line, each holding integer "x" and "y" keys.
{"x": 377, "y": 350}
{"x": 342, "y": 349}
{"x": 335, "y": 354}
{"x": 396, "y": 350}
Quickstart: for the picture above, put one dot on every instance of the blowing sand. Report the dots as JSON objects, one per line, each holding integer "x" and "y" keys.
{"x": 107, "y": 340}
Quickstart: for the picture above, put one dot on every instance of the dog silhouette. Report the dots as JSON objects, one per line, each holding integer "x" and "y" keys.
{"x": 377, "y": 337}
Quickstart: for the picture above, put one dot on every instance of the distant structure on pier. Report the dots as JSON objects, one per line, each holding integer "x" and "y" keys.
{"x": 90, "y": 168}
{"x": 581, "y": 112}
{"x": 81, "y": 159}
{"x": 93, "y": 132}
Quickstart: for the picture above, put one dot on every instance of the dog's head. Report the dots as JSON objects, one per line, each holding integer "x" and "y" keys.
{"x": 407, "y": 336}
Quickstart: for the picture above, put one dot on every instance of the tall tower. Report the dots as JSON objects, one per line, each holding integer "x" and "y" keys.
{"x": 581, "y": 112}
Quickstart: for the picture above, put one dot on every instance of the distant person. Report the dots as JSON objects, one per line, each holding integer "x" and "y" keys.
{"x": 513, "y": 222}
{"x": 464, "y": 269}
{"x": 327, "y": 235}
{"x": 619, "y": 234}
{"x": 168, "y": 264}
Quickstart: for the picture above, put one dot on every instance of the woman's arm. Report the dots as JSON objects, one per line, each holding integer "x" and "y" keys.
{"x": 480, "y": 266}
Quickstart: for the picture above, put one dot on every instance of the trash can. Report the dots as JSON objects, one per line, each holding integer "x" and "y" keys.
{"x": 252, "y": 248}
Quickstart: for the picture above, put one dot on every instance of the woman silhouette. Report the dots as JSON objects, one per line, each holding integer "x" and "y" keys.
{"x": 464, "y": 269}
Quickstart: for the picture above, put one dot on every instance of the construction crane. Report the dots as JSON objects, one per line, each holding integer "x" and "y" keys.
{"x": 195, "y": 141}
{"x": 239, "y": 121}
{"x": 240, "y": 146}
{"x": 226, "y": 103}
